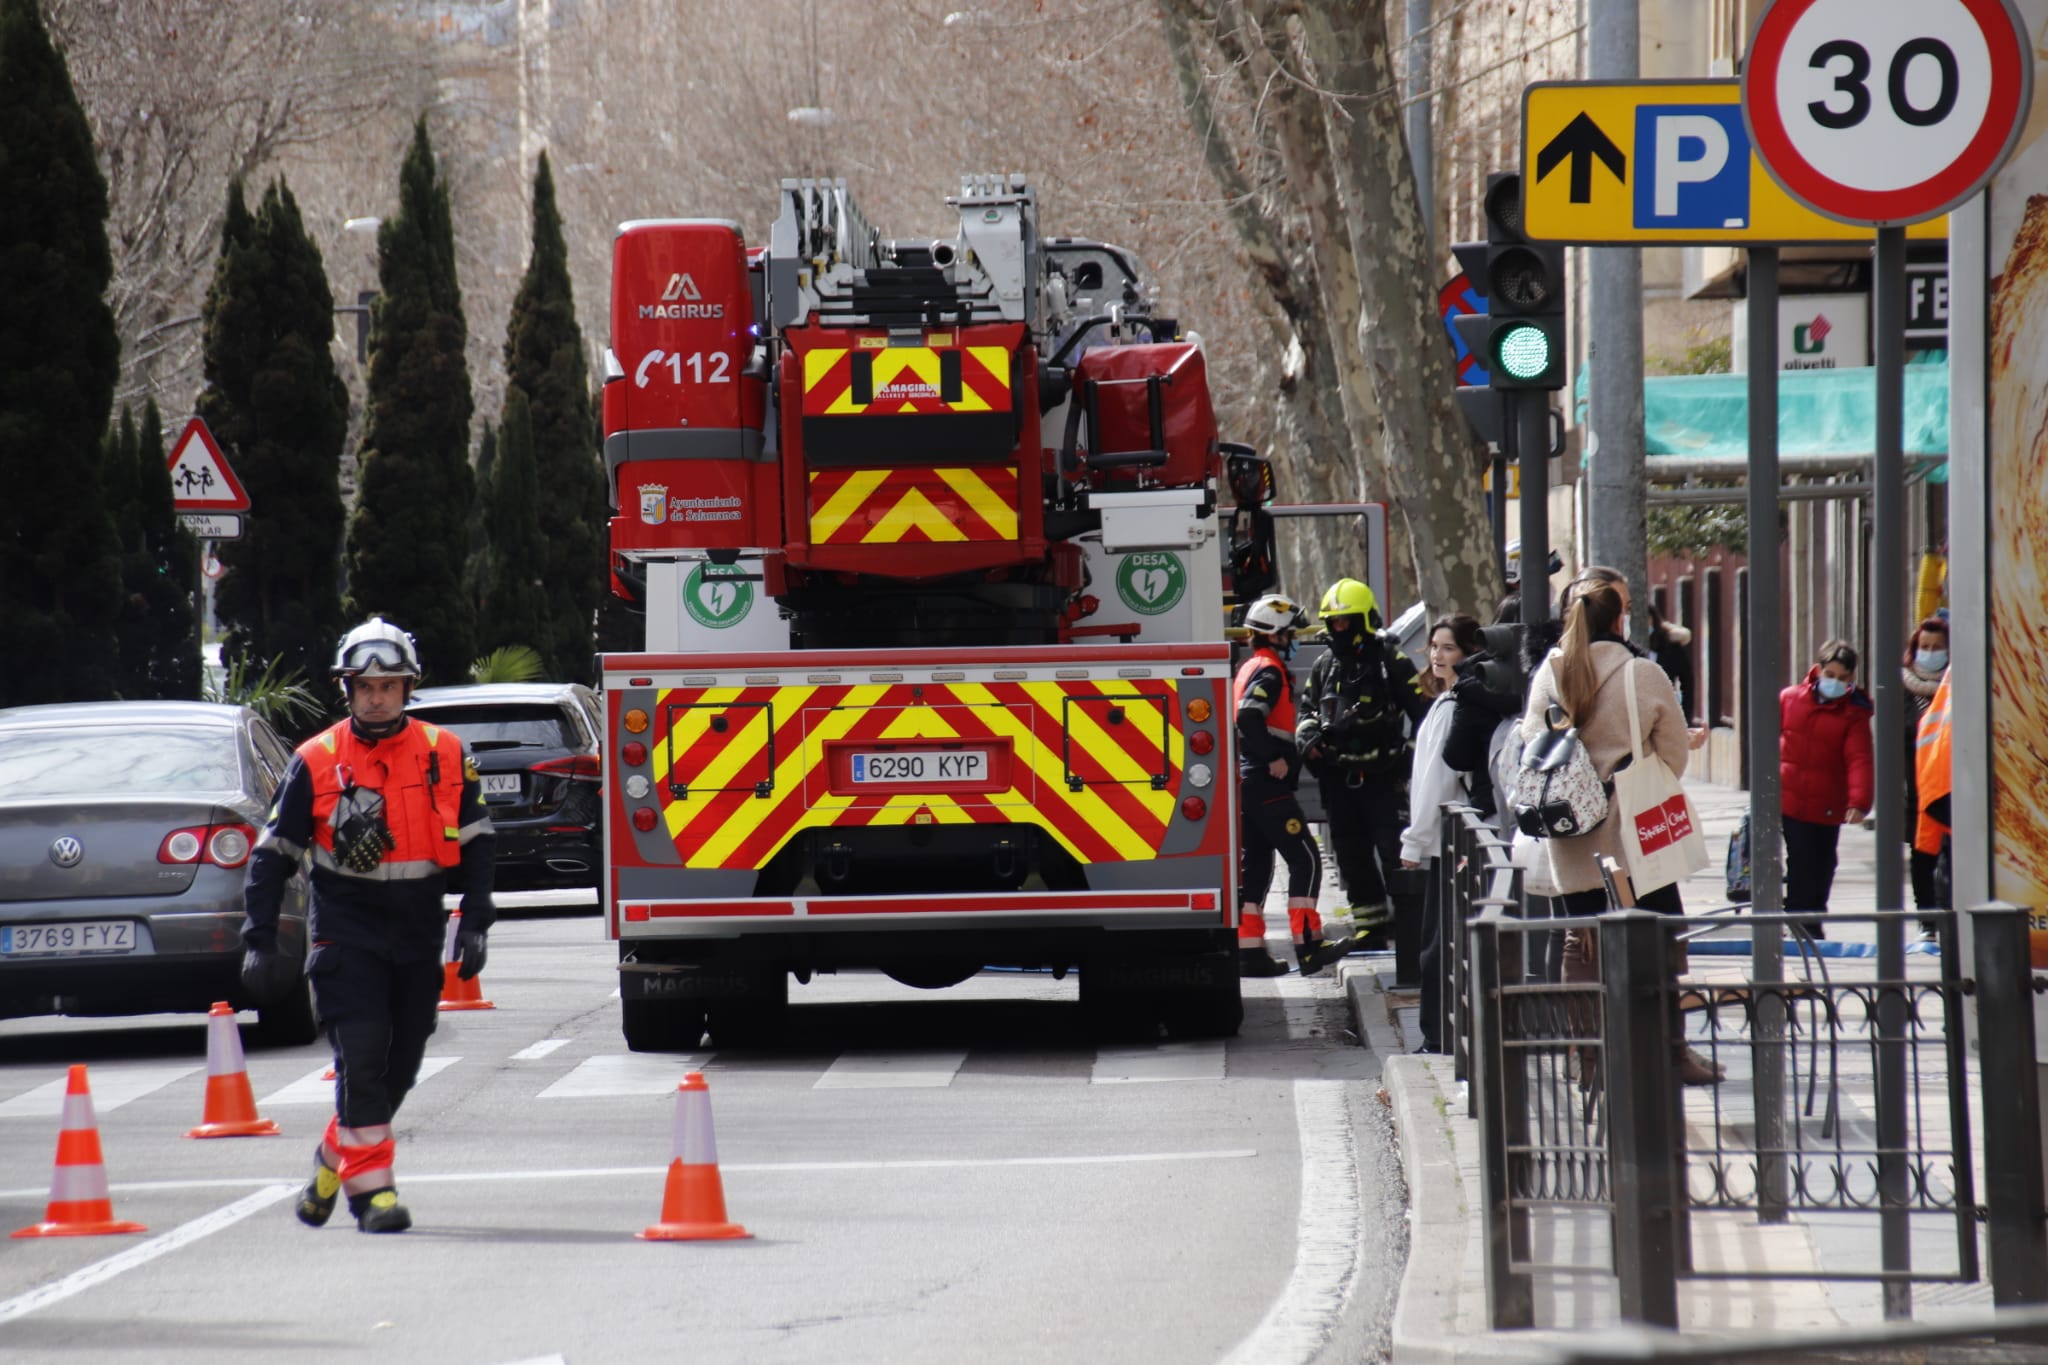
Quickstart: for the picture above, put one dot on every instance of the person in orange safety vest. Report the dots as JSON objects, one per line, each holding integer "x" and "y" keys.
{"x": 1270, "y": 818}
{"x": 385, "y": 807}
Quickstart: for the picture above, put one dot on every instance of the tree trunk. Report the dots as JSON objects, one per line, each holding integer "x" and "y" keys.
{"x": 1432, "y": 461}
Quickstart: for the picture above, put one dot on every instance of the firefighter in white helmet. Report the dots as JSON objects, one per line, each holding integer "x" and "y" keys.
{"x": 1270, "y": 818}
{"x": 386, "y": 808}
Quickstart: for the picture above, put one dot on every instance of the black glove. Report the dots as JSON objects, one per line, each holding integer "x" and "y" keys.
{"x": 267, "y": 974}
{"x": 470, "y": 945}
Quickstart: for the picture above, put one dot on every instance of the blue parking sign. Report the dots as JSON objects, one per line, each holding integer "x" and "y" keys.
{"x": 1692, "y": 166}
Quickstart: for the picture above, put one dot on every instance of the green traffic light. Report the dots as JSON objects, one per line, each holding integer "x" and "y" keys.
{"x": 1522, "y": 352}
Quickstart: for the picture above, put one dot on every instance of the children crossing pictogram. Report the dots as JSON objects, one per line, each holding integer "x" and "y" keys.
{"x": 201, "y": 479}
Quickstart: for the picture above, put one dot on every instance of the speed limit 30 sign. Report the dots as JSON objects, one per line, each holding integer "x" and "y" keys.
{"x": 1886, "y": 111}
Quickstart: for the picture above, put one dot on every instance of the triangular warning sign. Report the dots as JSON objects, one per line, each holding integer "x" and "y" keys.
{"x": 201, "y": 480}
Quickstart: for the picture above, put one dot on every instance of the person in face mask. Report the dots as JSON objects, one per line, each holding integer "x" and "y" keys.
{"x": 1825, "y": 770}
{"x": 1925, "y": 662}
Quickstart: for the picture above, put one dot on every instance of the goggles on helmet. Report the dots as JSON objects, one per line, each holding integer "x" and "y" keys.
{"x": 374, "y": 656}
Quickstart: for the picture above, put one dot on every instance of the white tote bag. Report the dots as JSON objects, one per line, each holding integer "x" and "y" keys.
{"x": 1659, "y": 837}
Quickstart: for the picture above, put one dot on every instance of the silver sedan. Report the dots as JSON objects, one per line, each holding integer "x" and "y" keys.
{"x": 125, "y": 830}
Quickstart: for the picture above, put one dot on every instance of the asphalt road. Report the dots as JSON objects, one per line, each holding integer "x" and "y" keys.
{"x": 927, "y": 1177}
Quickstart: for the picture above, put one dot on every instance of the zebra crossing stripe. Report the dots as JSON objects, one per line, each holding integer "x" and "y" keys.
{"x": 317, "y": 1087}
{"x": 626, "y": 1074}
{"x": 891, "y": 1070}
{"x": 1196, "y": 1061}
{"x": 112, "y": 1087}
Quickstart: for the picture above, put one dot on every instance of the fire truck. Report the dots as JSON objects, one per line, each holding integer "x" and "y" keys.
{"x": 931, "y": 541}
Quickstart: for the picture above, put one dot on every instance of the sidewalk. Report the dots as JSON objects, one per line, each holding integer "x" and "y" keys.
{"x": 1441, "y": 1312}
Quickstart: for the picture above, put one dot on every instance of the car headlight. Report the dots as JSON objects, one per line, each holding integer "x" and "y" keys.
{"x": 1200, "y": 775}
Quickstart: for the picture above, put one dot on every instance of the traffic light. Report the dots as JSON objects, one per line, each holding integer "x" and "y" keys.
{"x": 1520, "y": 338}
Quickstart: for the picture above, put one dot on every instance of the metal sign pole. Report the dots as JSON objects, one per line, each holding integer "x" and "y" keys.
{"x": 1529, "y": 419}
{"x": 1766, "y": 669}
{"x": 1888, "y": 555}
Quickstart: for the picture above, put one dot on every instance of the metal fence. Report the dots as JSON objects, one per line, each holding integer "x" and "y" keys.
{"x": 1841, "y": 1099}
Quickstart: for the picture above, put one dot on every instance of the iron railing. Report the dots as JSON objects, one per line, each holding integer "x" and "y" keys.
{"x": 1595, "y": 1159}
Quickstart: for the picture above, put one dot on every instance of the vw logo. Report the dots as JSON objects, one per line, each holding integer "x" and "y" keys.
{"x": 67, "y": 851}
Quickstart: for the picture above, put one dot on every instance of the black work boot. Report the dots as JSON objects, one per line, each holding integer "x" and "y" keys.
{"x": 1258, "y": 962}
{"x": 316, "y": 1201}
{"x": 1314, "y": 955}
{"x": 379, "y": 1211}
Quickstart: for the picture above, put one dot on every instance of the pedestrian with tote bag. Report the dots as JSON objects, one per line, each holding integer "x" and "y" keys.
{"x": 1586, "y": 682}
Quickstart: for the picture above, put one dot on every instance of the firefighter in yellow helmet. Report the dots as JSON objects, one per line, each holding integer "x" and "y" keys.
{"x": 1359, "y": 710}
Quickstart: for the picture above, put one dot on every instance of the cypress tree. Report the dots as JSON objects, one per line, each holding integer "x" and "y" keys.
{"x": 544, "y": 357}
{"x": 514, "y": 598}
{"x": 159, "y": 626}
{"x": 280, "y": 413}
{"x": 406, "y": 545}
{"x": 60, "y": 577}
{"x": 476, "y": 571}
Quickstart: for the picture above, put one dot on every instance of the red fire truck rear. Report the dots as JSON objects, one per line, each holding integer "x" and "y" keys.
{"x": 926, "y": 536}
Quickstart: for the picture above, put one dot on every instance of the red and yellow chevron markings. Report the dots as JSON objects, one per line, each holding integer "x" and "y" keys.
{"x": 904, "y": 379}
{"x": 1117, "y": 815}
{"x": 888, "y": 506}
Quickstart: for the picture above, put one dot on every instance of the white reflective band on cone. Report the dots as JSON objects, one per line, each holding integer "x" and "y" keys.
{"x": 78, "y": 1184}
{"x": 223, "y": 1046}
{"x": 454, "y": 929}
{"x": 695, "y": 1144}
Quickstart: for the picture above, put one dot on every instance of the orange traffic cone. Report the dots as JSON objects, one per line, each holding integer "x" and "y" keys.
{"x": 693, "y": 1206}
{"x": 79, "y": 1206}
{"x": 230, "y": 1107}
{"x": 457, "y": 994}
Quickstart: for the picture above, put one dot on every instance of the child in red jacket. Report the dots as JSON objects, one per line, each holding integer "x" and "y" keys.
{"x": 1824, "y": 768}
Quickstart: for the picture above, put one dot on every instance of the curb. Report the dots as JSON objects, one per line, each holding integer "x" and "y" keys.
{"x": 1431, "y": 1322}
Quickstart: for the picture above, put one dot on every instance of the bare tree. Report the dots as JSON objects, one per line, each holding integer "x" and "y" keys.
{"x": 1323, "y": 127}
{"x": 184, "y": 95}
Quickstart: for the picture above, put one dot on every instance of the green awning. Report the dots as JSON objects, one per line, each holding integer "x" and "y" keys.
{"x": 1820, "y": 412}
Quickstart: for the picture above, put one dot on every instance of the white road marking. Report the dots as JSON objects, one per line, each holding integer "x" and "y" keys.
{"x": 533, "y": 1052}
{"x": 312, "y": 1089}
{"x": 629, "y": 1073}
{"x": 1299, "y": 1005}
{"x": 726, "y": 1167}
{"x": 112, "y": 1087}
{"x": 1329, "y": 1241}
{"x": 891, "y": 1070}
{"x": 1198, "y": 1061}
{"x": 78, "y": 1281}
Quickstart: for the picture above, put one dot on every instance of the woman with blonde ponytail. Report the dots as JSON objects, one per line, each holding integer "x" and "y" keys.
{"x": 1584, "y": 677}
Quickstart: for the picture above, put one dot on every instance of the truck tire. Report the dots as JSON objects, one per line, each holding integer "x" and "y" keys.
{"x": 1212, "y": 1008}
{"x": 758, "y": 1019}
{"x": 662, "y": 1025}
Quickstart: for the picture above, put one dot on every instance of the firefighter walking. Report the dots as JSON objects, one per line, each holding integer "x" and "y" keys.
{"x": 1358, "y": 711}
{"x": 386, "y": 807}
{"x": 1270, "y": 816}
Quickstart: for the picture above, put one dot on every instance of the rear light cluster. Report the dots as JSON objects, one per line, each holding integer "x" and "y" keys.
{"x": 1202, "y": 741}
{"x": 221, "y": 845}
{"x": 576, "y": 768}
{"x": 633, "y": 752}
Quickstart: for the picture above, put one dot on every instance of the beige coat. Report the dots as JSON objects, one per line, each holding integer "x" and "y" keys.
{"x": 1605, "y": 734}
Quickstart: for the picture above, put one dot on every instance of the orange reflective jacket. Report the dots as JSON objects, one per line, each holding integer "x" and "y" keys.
{"x": 1931, "y": 769}
{"x": 418, "y": 772}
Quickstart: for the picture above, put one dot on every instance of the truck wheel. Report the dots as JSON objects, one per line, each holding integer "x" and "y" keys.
{"x": 1214, "y": 1009}
{"x": 759, "y": 1018}
{"x": 1110, "y": 1009}
{"x": 662, "y": 1025}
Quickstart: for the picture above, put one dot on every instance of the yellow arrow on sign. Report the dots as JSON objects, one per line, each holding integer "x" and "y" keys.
{"x": 1659, "y": 161}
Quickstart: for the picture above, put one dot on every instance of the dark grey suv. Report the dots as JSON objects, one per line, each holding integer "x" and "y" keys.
{"x": 536, "y": 748}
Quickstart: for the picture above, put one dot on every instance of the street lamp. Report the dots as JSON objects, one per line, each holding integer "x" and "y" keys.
{"x": 364, "y": 297}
